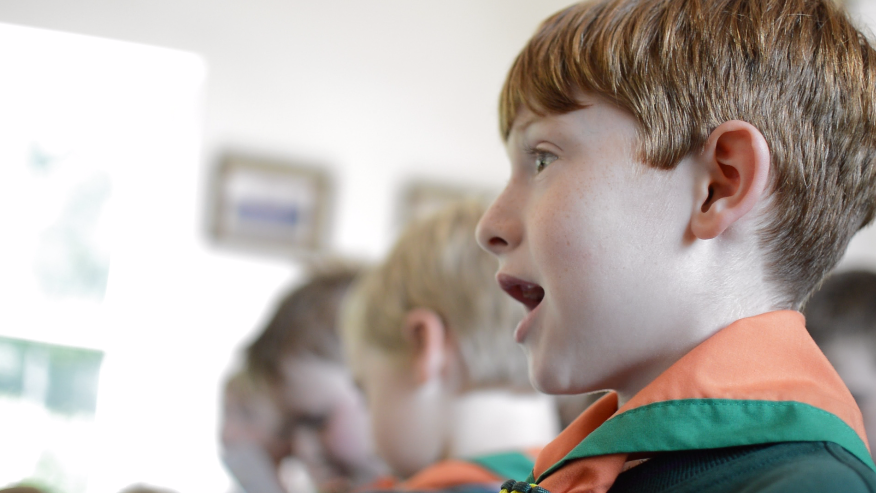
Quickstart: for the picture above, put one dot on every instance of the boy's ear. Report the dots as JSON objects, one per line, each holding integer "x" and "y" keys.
{"x": 426, "y": 332}
{"x": 736, "y": 160}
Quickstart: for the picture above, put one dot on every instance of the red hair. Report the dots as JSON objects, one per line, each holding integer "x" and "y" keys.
{"x": 798, "y": 70}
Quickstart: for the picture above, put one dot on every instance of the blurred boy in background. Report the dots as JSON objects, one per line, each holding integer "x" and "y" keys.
{"x": 841, "y": 316}
{"x": 427, "y": 336}
{"x": 298, "y": 358}
{"x": 253, "y": 445}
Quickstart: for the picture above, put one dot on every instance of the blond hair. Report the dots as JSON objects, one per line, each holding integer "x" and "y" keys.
{"x": 437, "y": 264}
{"x": 798, "y": 70}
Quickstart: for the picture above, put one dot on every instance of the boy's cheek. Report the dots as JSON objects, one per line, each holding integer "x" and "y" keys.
{"x": 347, "y": 434}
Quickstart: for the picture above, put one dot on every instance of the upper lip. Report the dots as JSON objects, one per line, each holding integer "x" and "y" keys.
{"x": 528, "y": 293}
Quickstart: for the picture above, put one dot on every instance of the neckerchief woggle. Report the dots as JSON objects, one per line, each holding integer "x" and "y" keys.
{"x": 759, "y": 380}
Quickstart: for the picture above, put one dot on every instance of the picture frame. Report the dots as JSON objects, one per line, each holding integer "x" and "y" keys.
{"x": 270, "y": 206}
{"x": 420, "y": 198}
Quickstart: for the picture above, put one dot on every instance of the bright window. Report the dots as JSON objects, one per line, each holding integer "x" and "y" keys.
{"x": 91, "y": 130}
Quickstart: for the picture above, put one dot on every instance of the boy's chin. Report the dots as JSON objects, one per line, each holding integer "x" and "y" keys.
{"x": 546, "y": 383}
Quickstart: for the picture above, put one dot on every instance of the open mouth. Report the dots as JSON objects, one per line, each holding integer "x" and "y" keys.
{"x": 530, "y": 294}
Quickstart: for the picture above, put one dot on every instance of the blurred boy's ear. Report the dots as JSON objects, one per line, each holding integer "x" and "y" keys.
{"x": 425, "y": 330}
{"x": 736, "y": 161}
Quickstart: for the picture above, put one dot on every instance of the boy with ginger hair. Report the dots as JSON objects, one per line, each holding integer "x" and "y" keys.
{"x": 683, "y": 174}
{"x": 426, "y": 337}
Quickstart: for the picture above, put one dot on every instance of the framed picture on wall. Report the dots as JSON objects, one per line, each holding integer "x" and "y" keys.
{"x": 422, "y": 197}
{"x": 270, "y": 206}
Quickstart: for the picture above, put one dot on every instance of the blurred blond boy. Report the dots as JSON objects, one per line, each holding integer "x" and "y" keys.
{"x": 427, "y": 335}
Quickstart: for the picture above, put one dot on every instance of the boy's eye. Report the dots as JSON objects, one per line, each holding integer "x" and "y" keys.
{"x": 313, "y": 422}
{"x": 542, "y": 160}
{"x": 359, "y": 387}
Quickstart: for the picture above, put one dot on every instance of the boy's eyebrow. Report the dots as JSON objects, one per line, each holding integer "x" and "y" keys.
{"x": 524, "y": 123}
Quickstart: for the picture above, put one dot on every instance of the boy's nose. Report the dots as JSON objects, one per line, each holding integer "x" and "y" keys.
{"x": 498, "y": 232}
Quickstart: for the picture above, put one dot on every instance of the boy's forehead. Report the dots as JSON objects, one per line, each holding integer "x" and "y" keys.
{"x": 314, "y": 387}
{"x": 311, "y": 373}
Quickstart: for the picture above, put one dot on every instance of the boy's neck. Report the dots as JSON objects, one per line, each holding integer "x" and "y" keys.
{"x": 705, "y": 326}
{"x": 489, "y": 421}
{"x": 721, "y": 281}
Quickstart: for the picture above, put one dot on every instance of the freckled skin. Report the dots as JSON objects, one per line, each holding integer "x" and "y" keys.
{"x": 604, "y": 236}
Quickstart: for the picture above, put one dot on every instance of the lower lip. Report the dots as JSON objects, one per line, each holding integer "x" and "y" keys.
{"x": 525, "y": 324}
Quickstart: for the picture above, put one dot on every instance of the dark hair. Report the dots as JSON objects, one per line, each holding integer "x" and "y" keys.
{"x": 304, "y": 323}
{"x": 845, "y": 305}
{"x": 21, "y": 489}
